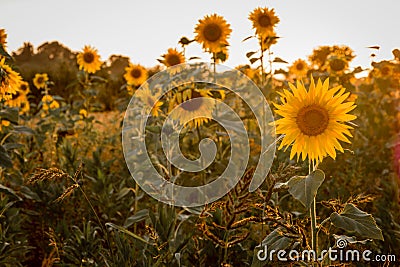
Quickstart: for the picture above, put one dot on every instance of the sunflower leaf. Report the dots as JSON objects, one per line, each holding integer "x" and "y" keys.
{"x": 252, "y": 60}
{"x": 279, "y": 60}
{"x": 247, "y": 38}
{"x": 304, "y": 188}
{"x": 5, "y": 160}
{"x": 353, "y": 219}
{"x": 249, "y": 54}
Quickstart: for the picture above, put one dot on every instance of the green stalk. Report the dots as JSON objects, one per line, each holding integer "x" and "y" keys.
{"x": 313, "y": 216}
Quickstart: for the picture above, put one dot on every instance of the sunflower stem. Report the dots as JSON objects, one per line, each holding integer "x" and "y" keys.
{"x": 262, "y": 64}
{"x": 313, "y": 216}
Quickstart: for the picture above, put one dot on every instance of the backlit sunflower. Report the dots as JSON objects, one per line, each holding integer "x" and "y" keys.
{"x": 40, "y": 80}
{"x": 213, "y": 32}
{"x": 150, "y": 100}
{"x": 263, "y": 20}
{"x": 48, "y": 102}
{"x": 192, "y": 105}
{"x": 337, "y": 64}
{"x": 299, "y": 68}
{"x": 3, "y": 38}
{"x": 89, "y": 60}
{"x": 20, "y": 99}
{"x": 4, "y": 124}
{"x": 135, "y": 74}
{"x": 172, "y": 57}
{"x": 313, "y": 121}
{"x": 9, "y": 81}
{"x": 385, "y": 70}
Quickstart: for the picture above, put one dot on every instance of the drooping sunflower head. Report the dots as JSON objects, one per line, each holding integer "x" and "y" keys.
{"x": 3, "y": 38}
{"x": 337, "y": 64}
{"x": 172, "y": 57}
{"x": 299, "y": 68}
{"x": 89, "y": 60}
{"x": 213, "y": 32}
{"x": 9, "y": 81}
{"x": 264, "y": 21}
{"x": 384, "y": 69}
{"x": 40, "y": 80}
{"x": 135, "y": 74}
{"x": 192, "y": 107}
{"x": 150, "y": 100}
{"x": 314, "y": 120}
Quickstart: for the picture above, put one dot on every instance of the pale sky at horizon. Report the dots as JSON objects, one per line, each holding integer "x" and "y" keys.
{"x": 144, "y": 30}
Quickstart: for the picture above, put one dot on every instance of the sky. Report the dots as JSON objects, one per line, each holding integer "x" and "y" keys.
{"x": 144, "y": 30}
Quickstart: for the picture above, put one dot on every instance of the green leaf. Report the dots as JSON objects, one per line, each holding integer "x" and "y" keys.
{"x": 304, "y": 188}
{"x": 279, "y": 60}
{"x": 137, "y": 217}
{"x": 4, "y": 53}
{"x": 353, "y": 219}
{"x": 274, "y": 241}
{"x": 10, "y": 114}
{"x": 249, "y": 54}
{"x": 247, "y": 38}
{"x": 23, "y": 130}
{"x": 125, "y": 231}
{"x": 9, "y": 191}
{"x": 252, "y": 60}
{"x": 5, "y": 160}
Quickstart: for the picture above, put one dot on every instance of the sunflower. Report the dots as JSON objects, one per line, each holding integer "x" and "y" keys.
{"x": 135, "y": 74}
{"x": 150, "y": 100}
{"x": 18, "y": 100}
{"x": 172, "y": 57}
{"x": 313, "y": 121}
{"x": 263, "y": 20}
{"x": 4, "y": 123}
{"x": 222, "y": 55}
{"x": 3, "y": 38}
{"x": 54, "y": 105}
{"x": 385, "y": 70}
{"x": 89, "y": 60}
{"x": 83, "y": 113}
{"x": 48, "y": 102}
{"x": 212, "y": 32}
{"x": 40, "y": 80}
{"x": 299, "y": 68}
{"x": 9, "y": 81}
{"x": 337, "y": 64}
{"x": 191, "y": 105}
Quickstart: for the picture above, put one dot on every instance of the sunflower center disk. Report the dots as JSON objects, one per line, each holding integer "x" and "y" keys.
{"x": 173, "y": 60}
{"x": 337, "y": 64}
{"x": 40, "y": 80}
{"x": 264, "y": 21}
{"x": 385, "y": 71}
{"x": 299, "y": 66}
{"x": 312, "y": 120}
{"x": 212, "y": 32}
{"x": 135, "y": 73}
{"x": 88, "y": 57}
{"x": 16, "y": 95}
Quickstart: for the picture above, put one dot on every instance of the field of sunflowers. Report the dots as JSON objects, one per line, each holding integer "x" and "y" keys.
{"x": 67, "y": 196}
